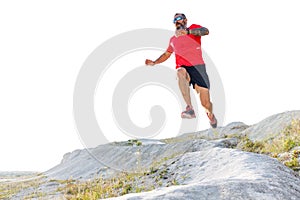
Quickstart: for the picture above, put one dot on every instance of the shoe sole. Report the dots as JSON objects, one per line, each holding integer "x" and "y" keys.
{"x": 188, "y": 116}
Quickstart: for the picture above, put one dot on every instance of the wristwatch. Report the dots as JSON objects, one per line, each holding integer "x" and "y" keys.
{"x": 188, "y": 31}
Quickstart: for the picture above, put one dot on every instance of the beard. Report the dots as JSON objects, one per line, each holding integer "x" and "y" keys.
{"x": 180, "y": 26}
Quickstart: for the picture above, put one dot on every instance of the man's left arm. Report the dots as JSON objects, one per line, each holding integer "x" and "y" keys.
{"x": 198, "y": 31}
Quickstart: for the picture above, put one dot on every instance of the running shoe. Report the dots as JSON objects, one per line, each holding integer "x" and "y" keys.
{"x": 212, "y": 121}
{"x": 189, "y": 113}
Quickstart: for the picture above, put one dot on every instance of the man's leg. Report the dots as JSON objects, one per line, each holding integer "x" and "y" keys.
{"x": 183, "y": 82}
{"x": 204, "y": 98}
{"x": 206, "y": 103}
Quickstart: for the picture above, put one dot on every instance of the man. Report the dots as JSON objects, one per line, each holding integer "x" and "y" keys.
{"x": 186, "y": 43}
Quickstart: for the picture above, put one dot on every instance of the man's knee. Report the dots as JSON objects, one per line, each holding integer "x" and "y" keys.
{"x": 181, "y": 73}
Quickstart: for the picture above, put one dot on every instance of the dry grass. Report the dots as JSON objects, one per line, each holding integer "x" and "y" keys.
{"x": 104, "y": 188}
{"x": 288, "y": 139}
{"x": 10, "y": 188}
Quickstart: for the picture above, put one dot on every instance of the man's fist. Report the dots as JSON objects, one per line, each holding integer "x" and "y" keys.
{"x": 149, "y": 62}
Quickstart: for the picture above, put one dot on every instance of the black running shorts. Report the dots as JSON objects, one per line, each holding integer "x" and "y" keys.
{"x": 198, "y": 75}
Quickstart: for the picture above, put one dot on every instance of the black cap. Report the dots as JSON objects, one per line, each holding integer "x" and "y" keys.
{"x": 181, "y": 14}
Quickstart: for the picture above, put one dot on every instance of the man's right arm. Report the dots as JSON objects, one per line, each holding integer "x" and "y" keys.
{"x": 159, "y": 60}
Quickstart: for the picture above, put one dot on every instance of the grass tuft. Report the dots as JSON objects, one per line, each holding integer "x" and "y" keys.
{"x": 286, "y": 141}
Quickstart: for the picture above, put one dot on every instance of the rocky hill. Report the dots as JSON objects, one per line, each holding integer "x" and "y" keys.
{"x": 237, "y": 161}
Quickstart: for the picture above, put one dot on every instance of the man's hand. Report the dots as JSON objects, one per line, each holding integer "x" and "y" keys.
{"x": 159, "y": 60}
{"x": 149, "y": 62}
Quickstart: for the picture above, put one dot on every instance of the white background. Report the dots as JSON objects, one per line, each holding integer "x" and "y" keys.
{"x": 43, "y": 44}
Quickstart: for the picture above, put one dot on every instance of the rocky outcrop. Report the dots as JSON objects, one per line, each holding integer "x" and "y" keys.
{"x": 271, "y": 126}
{"x": 201, "y": 165}
{"x": 220, "y": 173}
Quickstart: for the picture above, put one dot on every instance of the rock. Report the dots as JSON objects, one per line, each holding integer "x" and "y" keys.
{"x": 108, "y": 159}
{"x": 219, "y": 173}
{"x": 271, "y": 126}
{"x": 234, "y": 129}
{"x": 200, "y": 165}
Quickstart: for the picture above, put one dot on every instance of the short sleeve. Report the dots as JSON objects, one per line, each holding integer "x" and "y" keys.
{"x": 170, "y": 48}
{"x": 193, "y": 26}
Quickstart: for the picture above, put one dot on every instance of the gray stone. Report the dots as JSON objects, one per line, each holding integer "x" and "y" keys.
{"x": 203, "y": 164}
{"x": 271, "y": 126}
{"x": 233, "y": 129}
{"x": 219, "y": 173}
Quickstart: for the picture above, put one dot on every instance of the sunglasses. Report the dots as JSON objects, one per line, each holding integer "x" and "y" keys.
{"x": 177, "y": 19}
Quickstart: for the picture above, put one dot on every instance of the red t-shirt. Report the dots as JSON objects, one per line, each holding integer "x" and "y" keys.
{"x": 187, "y": 49}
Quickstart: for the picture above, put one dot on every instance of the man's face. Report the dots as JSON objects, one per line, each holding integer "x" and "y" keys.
{"x": 179, "y": 21}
